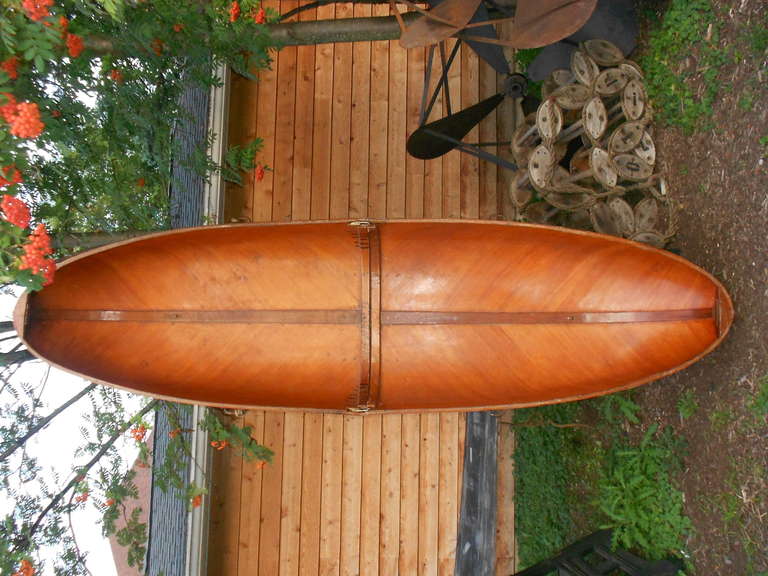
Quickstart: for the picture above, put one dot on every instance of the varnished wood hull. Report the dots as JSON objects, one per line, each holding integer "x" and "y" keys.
{"x": 390, "y": 316}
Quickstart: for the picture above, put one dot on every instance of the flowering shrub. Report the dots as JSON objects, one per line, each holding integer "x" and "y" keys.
{"x": 25, "y": 255}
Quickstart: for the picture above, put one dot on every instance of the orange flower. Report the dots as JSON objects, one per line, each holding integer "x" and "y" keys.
{"x": 25, "y": 569}
{"x": 25, "y": 122}
{"x": 75, "y": 45}
{"x": 80, "y": 498}
{"x": 55, "y": 113}
{"x": 37, "y": 9}
{"x": 139, "y": 432}
{"x": 15, "y": 211}
{"x": 234, "y": 11}
{"x": 261, "y": 464}
{"x": 260, "y": 173}
{"x": 8, "y": 110}
{"x": 219, "y": 445}
{"x": 178, "y": 27}
{"x": 9, "y": 67}
{"x": 109, "y": 503}
{"x": 260, "y": 17}
{"x": 116, "y": 75}
{"x": 49, "y": 271}
{"x": 157, "y": 46}
{"x": 64, "y": 25}
{"x": 141, "y": 182}
{"x": 174, "y": 433}
{"x": 197, "y": 501}
{"x": 10, "y": 175}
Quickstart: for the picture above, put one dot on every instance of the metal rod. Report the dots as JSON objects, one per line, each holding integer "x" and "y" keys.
{"x": 443, "y": 81}
{"x": 473, "y": 151}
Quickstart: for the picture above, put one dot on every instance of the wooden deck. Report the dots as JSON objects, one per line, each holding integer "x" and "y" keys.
{"x": 352, "y": 495}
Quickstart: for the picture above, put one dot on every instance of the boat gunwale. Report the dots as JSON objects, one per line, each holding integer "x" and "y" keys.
{"x": 722, "y": 308}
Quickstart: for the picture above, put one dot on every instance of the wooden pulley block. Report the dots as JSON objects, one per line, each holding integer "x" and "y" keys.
{"x": 626, "y": 137}
{"x": 646, "y": 214}
{"x": 549, "y": 120}
{"x": 632, "y": 69}
{"x": 520, "y": 192}
{"x": 623, "y": 216}
{"x": 651, "y": 238}
{"x": 580, "y": 160}
{"x": 570, "y": 201}
{"x": 646, "y": 149}
{"x": 541, "y": 167}
{"x": 572, "y": 96}
{"x": 603, "y": 52}
{"x": 610, "y": 81}
{"x": 595, "y": 119}
{"x": 634, "y": 100}
{"x": 584, "y": 69}
{"x": 562, "y": 184}
{"x": 539, "y": 212}
{"x": 631, "y": 167}
{"x": 603, "y": 169}
{"x": 563, "y": 77}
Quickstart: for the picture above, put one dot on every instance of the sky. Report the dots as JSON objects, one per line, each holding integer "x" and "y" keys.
{"x": 54, "y": 448}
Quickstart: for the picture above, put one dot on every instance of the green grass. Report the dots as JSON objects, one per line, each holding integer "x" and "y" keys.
{"x": 687, "y": 405}
{"x": 683, "y": 32}
{"x": 571, "y": 481}
{"x": 759, "y": 404}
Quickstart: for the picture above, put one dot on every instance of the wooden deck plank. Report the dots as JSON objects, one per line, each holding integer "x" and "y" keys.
{"x": 370, "y": 507}
{"x": 414, "y": 168}
{"x": 409, "y": 495}
{"x": 379, "y": 109}
{"x": 303, "y": 129}
{"x": 250, "y": 517}
{"x": 505, "y": 115}
{"x": 285, "y": 117}
{"x": 225, "y": 511}
{"x": 429, "y": 505}
{"x": 323, "y": 119}
{"x": 389, "y": 530}
{"x": 449, "y": 490}
{"x": 271, "y": 495}
{"x": 342, "y": 115}
{"x": 487, "y": 133}
{"x": 360, "y": 122}
{"x": 311, "y": 488}
{"x": 433, "y": 169}
{"x": 470, "y": 165}
{"x": 351, "y": 495}
{"x": 452, "y": 160}
{"x": 396, "y": 131}
{"x": 330, "y": 502}
{"x": 243, "y": 106}
{"x": 290, "y": 510}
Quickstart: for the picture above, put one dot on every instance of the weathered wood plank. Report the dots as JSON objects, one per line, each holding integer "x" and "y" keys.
{"x": 271, "y": 496}
{"x": 370, "y": 512}
{"x": 225, "y": 512}
{"x": 351, "y": 495}
{"x": 476, "y": 548}
{"x": 448, "y": 498}
{"x": 505, "y": 499}
{"x": 409, "y": 495}
{"x": 290, "y": 511}
{"x": 330, "y": 507}
{"x": 433, "y": 169}
{"x": 323, "y": 119}
{"x": 389, "y": 530}
{"x": 250, "y": 516}
{"x": 311, "y": 489}
{"x": 429, "y": 480}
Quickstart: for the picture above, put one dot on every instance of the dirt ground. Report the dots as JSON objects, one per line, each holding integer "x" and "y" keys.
{"x": 719, "y": 182}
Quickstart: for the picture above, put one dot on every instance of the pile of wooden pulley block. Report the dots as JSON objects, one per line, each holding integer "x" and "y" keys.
{"x": 587, "y": 157}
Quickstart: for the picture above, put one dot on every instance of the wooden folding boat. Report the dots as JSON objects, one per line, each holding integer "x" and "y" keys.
{"x": 376, "y": 316}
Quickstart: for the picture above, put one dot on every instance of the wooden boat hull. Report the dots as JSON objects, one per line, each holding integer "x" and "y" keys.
{"x": 369, "y": 317}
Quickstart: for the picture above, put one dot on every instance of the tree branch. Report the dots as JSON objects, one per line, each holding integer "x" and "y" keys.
{"x": 44, "y": 422}
{"x": 83, "y": 470}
